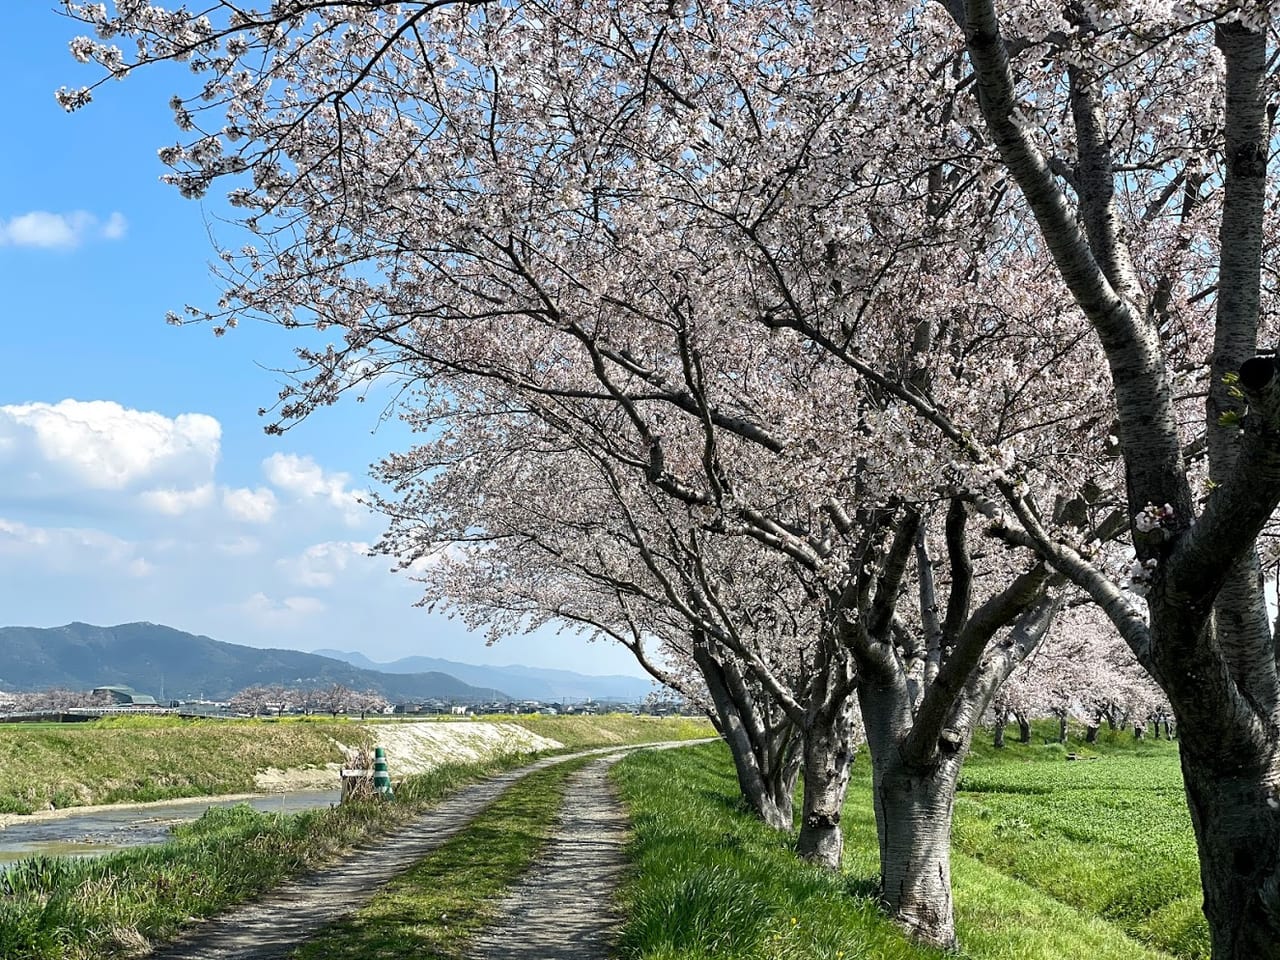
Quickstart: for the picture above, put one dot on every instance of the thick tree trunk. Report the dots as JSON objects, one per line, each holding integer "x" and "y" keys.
{"x": 1062, "y": 729}
{"x": 828, "y": 754}
{"x": 999, "y": 737}
{"x": 913, "y": 812}
{"x": 913, "y": 806}
{"x": 1091, "y": 733}
{"x": 1139, "y": 730}
{"x": 1024, "y": 728}
{"x": 1237, "y": 825}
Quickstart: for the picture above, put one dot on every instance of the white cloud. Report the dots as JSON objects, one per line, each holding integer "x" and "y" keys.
{"x": 174, "y": 503}
{"x": 251, "y": 506}
{"x": 65, "y": 549}
{"x": 59, "y": 231}
{"x": 307, "y": 480}
{"x": 287, "y": 611}
{"x": 115, "y": 227}
{"x": 103, "y": 446}
{"x": 321, "y": 564}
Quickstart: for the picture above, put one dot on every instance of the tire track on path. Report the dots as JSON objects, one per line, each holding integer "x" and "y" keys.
{"x": 564, "y": 908}
{"x": 267, "y": 929}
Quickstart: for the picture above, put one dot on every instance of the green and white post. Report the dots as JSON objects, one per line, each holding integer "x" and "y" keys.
{"x": 381, "y": 776}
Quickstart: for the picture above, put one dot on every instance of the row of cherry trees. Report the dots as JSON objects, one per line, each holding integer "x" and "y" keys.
{"x": 265, "y": 700}
{"x": 822, "y": 354}
{"x": 1086, "y": 674}
{"x": 54, "y": 699}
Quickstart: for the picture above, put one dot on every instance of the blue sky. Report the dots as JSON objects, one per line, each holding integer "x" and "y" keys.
{"x": 135, "y": 479}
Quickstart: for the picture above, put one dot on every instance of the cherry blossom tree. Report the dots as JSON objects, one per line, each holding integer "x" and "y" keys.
{"x": 367, "y": 701}
{"x": 507, "y": 482}
{"x": 514, "y": 538}
{"x": 1085, "y": 672}
{"x": 1152, "y": 203}
{"x": 769, "y": 247}
{"x": 254, "y": 701}
{"x": 337, "y": 698}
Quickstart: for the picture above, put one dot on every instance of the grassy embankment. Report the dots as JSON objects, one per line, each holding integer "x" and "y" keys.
{"x": 127, "y": 759}
{"x": 130, "y": 759}
{"x": 613, "y": 729}
{"x": 118, "y": 904}
{"x": 1053, "y": 859}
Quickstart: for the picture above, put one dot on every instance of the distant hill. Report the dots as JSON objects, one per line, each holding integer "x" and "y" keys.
{"x": 523, "y": 683}
{"x": 147, "y": 656}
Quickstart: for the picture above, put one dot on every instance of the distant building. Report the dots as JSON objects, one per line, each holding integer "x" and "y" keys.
{"x": 126, "y": 696}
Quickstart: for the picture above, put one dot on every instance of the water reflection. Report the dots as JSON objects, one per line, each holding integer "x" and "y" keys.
{"x": 103, "y": 831}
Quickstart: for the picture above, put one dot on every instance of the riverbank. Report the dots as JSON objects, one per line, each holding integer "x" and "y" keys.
{"x": 46, "y": 769}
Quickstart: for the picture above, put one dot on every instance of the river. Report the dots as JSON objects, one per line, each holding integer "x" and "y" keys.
{"x": 100, "y": 831}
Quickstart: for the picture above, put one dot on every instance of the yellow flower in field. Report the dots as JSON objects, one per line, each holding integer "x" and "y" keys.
{"x": 793, "y": 921}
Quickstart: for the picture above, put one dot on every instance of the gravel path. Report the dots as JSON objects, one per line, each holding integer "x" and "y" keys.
{"x": 269, "y": 928}
{"x": 563, "y": 908}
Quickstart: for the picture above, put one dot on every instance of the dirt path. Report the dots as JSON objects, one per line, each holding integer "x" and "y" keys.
{"x": 563, "y": 908}
{"x": 269, "y": 928}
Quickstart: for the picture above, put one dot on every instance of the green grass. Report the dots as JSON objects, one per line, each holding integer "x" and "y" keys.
{"x": 612, "y": 729}
{"x": 154, "y": 758}
{"x": 117, "y": 905}
{"x": 711, "y": 882}
{"x": 1110, "y": 837}
{"x": 435, "y": 909}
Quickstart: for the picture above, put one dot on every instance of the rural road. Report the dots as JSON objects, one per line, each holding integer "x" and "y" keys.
{"x": 561, "y": 910}
{"x": 269, "y": 928}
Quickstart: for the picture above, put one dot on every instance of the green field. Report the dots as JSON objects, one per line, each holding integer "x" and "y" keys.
{"x": 1052, "y": 859}
{"x": 1111, "y": 837}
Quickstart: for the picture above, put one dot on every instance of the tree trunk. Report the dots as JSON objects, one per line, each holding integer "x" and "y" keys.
{"x": 1024, "y": 728}
{"x": 1237, "y": 826}
{"x": 913, "y": 812}
{"x": 766, "y": 788}
{"x": 999, "y": 737}
{"x": 1062, "y": 729}
{"x": 767, "y": 792}
{"x": 1091, "y": 733}
{"x": 1139, "y": 730}
{"x": 828, "y": 754}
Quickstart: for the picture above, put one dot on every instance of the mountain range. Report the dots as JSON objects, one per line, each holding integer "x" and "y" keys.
{"x": 171, "y": 664}
{"x": 522, "y": 683}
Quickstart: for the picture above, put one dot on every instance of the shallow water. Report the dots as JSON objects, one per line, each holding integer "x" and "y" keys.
{"x": 102, "y": 831}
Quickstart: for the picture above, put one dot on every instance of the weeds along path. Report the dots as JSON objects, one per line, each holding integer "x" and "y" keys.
{"x": 563, "y": 908}
{"x": 270, "y": 928}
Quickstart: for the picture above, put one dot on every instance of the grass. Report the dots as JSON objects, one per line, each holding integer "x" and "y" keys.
{"x": 711, "y": 882}
{"x": 117, "y": 905}
{"x": 607, "y": 730}
{"x": 154, "y": 758}
{"x": 435, "y": 909}
{"x": 1111, "y": 838}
